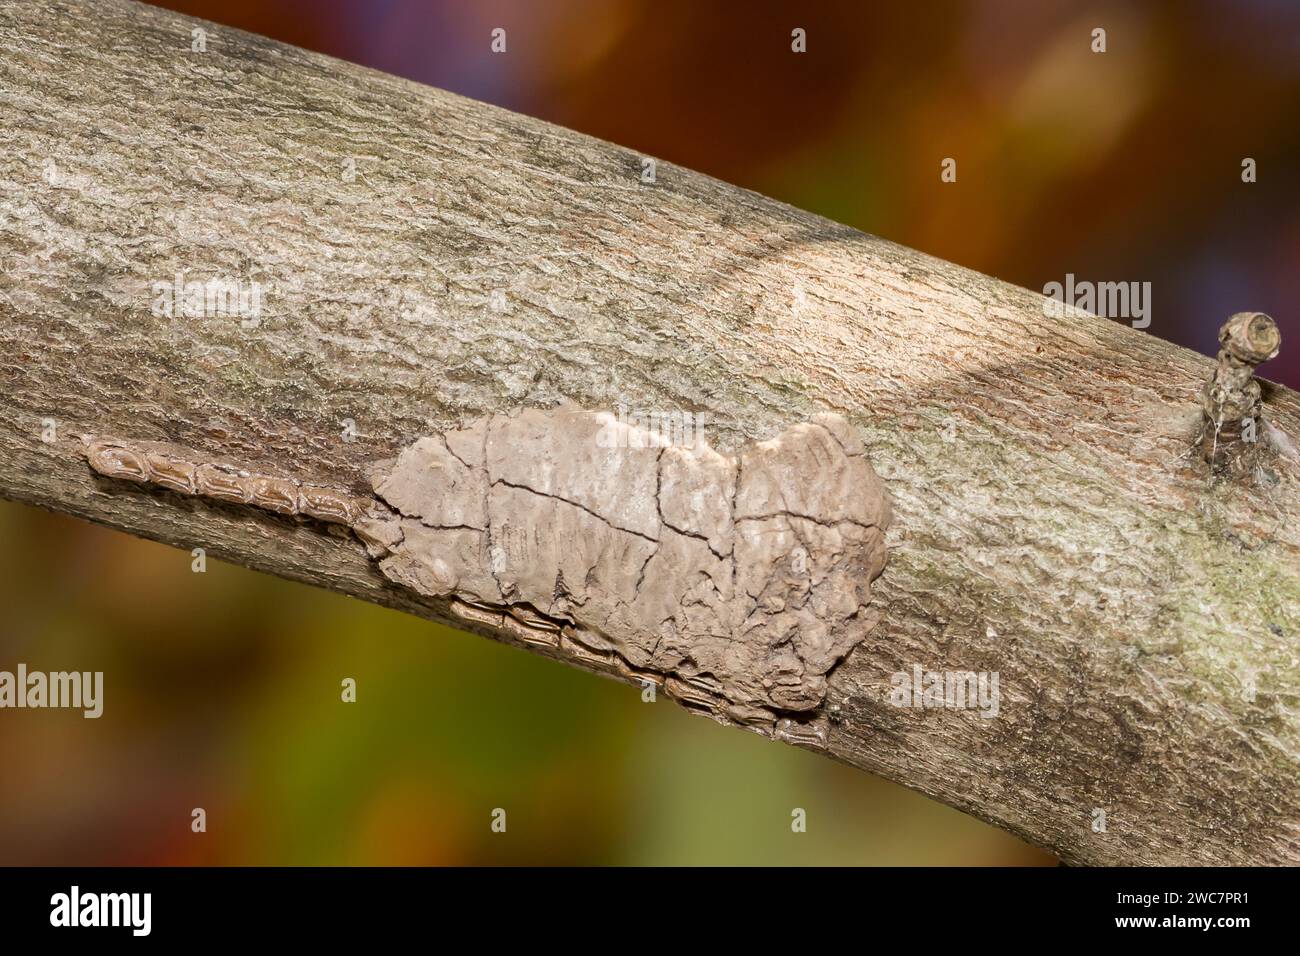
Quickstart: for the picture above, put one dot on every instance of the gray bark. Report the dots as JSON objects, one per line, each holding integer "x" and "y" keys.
{"x": 1053, "y": 519}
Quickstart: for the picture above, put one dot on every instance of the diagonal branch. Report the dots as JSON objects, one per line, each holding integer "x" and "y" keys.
{"x": 410, "y": 261}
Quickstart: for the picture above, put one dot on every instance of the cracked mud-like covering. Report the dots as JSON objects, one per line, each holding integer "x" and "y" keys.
{"x": 746, "y": 577}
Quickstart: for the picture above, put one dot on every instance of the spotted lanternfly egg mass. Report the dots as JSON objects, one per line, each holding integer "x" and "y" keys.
{"x": 153, "y": 463}
{"x": 735, "y": 583}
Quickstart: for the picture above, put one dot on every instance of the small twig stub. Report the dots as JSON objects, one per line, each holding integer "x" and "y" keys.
{"x": 1233, "y": 431}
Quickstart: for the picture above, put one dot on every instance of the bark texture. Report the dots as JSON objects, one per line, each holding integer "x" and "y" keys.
{"x": 1053, "y": 519}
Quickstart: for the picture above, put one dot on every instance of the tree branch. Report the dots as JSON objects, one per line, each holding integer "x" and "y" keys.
{"x": 425, "y": 261}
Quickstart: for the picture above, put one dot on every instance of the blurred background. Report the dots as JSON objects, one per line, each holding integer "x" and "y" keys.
{"x": 222, "y": 688}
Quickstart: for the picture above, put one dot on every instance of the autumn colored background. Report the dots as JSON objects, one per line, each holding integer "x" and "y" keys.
{"x": 222, "y": 688}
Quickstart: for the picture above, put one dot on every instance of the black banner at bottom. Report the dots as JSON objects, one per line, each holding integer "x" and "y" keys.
{"x": 333, "y": 905}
